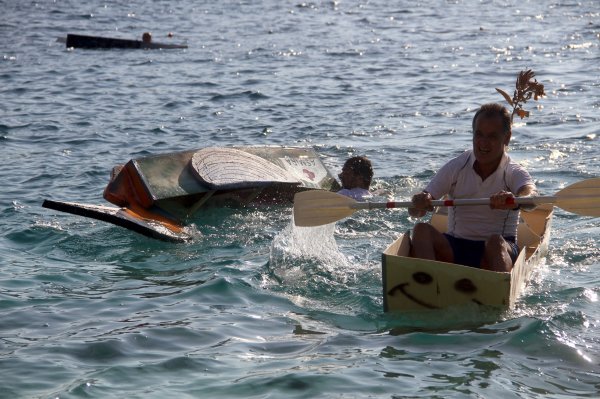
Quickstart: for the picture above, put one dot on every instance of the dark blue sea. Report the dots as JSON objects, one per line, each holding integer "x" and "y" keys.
{"x": 253, "y": 307}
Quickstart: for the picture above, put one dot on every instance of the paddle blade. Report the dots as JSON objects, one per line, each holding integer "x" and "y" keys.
{"x": 582, "y": 198}
{"x": 318, "y": 207}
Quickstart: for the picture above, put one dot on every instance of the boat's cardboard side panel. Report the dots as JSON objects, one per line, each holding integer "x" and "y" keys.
{"x": 169, "y": 175}
{"x": 538, "y": 220}
{"x": 149, "y": 225}
{"x": 533, "y": 238}
{"x": 399, "y": 247}
{"x": 127, "y": 187}
{"x": 413, "y": 284}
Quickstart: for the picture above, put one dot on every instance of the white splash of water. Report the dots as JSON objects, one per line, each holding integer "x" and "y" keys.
{"x": 296, "y": 249}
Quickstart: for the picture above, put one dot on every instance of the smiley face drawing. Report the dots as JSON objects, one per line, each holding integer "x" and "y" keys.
{"x": 464, "y": 285}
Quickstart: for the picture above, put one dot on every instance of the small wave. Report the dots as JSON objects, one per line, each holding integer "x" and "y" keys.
{"x": 252, "y": 95}
{"x": 198, "y": 84}
{"x": 51, "y": 224}
{"x": 6, "y": 128}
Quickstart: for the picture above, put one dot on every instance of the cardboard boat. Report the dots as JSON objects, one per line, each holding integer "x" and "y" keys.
{"x": 420, "y": 284}
{"x": 156, "y": 195}
{"x": 97, "y": 42}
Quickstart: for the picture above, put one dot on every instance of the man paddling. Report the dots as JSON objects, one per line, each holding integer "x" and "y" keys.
{"x": 356, "y": 177}
{"x": 477, "y": 236}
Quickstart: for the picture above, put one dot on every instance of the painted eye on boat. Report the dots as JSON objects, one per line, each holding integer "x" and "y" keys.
{"x": 465, "y": 285}
{"x": 422, "y": 278}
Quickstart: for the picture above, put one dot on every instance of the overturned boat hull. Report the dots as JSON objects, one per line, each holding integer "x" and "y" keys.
{"x": 157, "y": 194}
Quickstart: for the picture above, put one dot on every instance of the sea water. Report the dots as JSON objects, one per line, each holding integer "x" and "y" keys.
{"x": 252, "y": 306}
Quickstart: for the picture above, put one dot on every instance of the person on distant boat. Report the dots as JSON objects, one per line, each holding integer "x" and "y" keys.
{"x": 477, "y": 236}
{"x": 146, "y": 38}
{"x": 356, "y": 177}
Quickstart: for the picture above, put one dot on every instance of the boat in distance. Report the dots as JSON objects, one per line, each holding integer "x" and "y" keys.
{"x": 419, "y": 284}
{"x": 157, "y": 195}
{"x": 99, "y": 42}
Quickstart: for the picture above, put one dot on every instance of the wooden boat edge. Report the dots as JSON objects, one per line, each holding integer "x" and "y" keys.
{"x": 153, "y": 227}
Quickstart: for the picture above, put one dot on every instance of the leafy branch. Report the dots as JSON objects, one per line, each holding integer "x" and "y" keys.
{"x": 526, "y": 87}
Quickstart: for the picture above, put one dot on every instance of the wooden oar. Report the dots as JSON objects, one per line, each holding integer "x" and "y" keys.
{"x": 318, "y": 207}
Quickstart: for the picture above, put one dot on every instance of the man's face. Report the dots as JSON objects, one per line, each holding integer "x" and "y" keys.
{"x": 348, "y": 178}
{"x": 489, "y": 139}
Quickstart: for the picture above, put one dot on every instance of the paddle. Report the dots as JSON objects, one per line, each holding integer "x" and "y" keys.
{"x": 318, "y": 207}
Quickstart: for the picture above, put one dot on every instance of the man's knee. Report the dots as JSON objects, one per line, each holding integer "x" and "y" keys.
{"x": 422, "y": 230}
{"x": 496, "y": 256}
{"x": 495, "y": 241}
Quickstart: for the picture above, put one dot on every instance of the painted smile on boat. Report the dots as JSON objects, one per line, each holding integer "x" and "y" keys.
{"x": 463, "y": 285}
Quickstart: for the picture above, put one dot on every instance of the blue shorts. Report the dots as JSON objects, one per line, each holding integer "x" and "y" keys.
{"x": 470, "y": 252}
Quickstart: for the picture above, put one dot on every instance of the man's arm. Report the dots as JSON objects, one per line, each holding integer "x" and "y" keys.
{"x": 505, "y": 199}
{"x": 421, "y": 204}
{"x": 527, "y": 190}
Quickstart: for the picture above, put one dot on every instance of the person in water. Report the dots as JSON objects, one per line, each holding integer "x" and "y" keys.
{"x": 477, "y": 236}
{"x": 356, "y": 177}
{"x": 147, "y": 38}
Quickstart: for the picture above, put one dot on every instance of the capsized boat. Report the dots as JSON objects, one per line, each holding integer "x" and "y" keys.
{"x": 419, "y": 284}
{"x": 156, "y": 195}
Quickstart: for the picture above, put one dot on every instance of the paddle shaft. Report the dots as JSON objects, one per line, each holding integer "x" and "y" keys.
{"x": 318, "y": 207}
{"x": 454, "y": 202}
